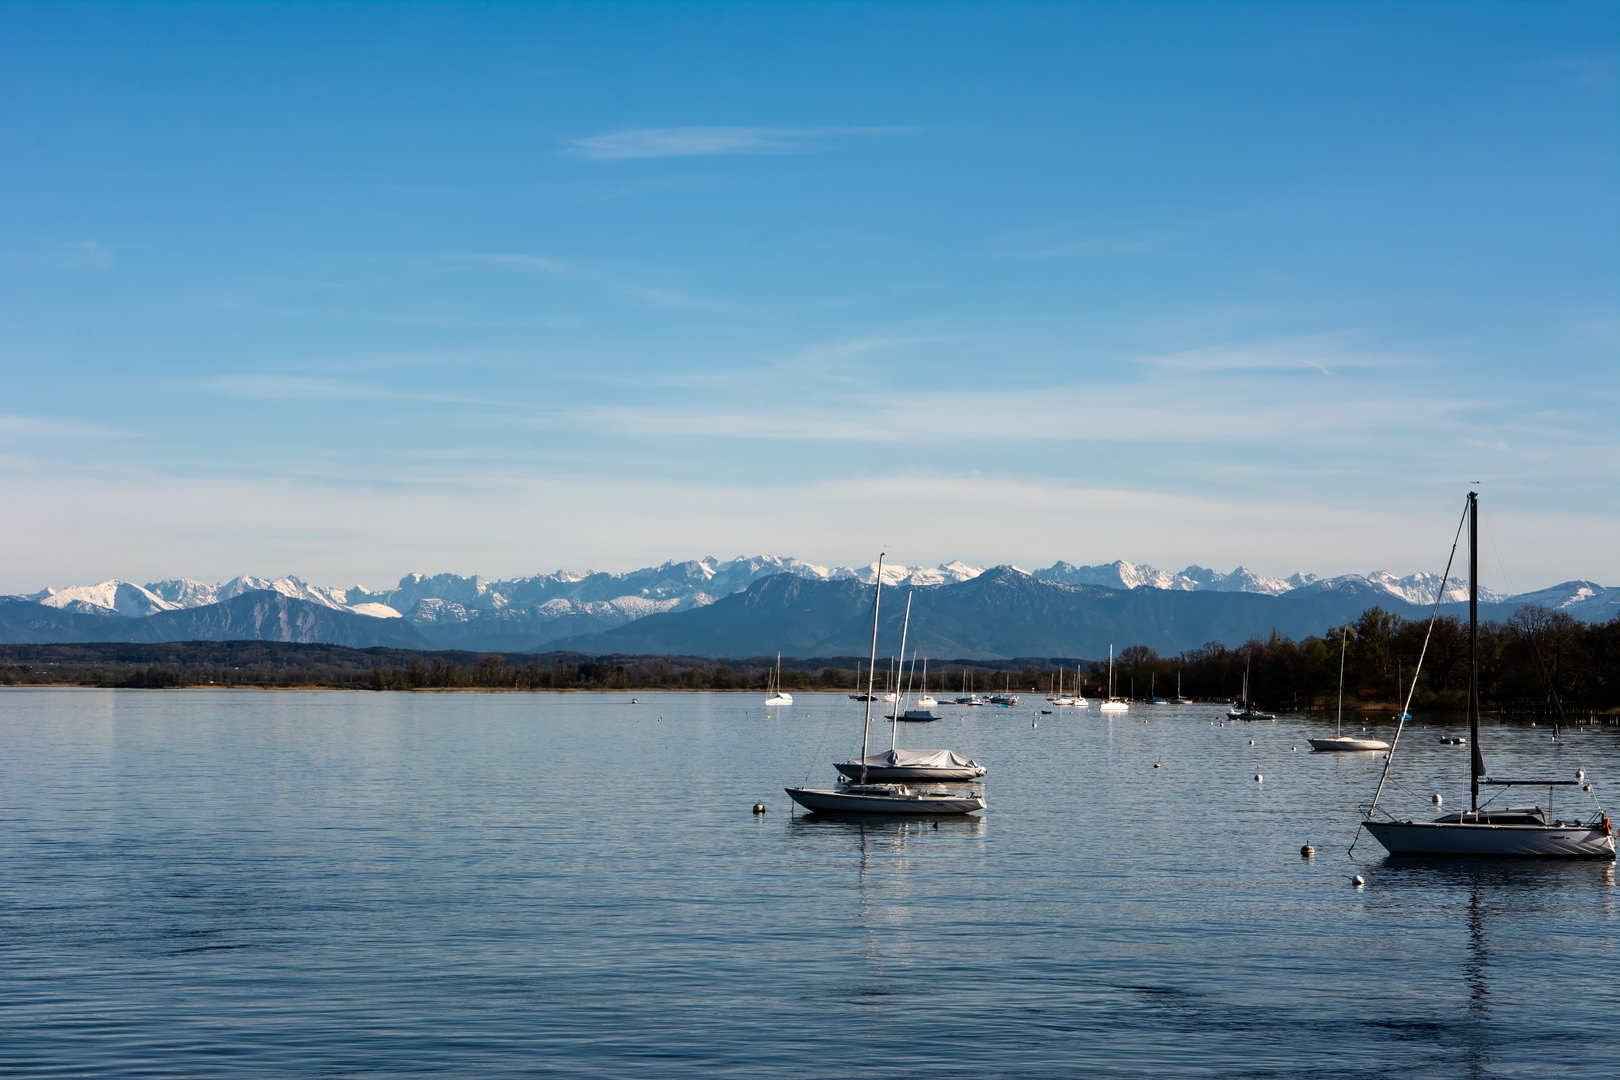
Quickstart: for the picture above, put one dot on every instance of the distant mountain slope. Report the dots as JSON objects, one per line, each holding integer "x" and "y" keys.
{"x": 1003, "y": 612}
{"x": 25, "y": 622}
{"x": 266, "y": 615}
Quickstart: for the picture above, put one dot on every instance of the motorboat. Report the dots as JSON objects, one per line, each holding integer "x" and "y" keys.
{"x": 1483, "y": 830}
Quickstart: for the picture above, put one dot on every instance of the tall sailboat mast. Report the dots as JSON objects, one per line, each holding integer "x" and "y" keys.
{"x": 866, "y": 728}
{"x": 1477, "y": 762}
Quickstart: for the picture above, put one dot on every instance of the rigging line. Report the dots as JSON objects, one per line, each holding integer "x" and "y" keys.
{"x": 1400, "y": 721}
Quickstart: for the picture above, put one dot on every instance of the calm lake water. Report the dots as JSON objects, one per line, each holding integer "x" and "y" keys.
{"x": 224, "y": 883}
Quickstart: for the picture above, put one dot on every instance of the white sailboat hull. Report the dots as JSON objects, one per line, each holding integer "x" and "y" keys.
{"x": 1113, "y": 706}
{"x": 1345, "y": 742}
{"x": 779, "y": 699}
{"x": 1502, "y": 841}
{"x": 839, "y": 802}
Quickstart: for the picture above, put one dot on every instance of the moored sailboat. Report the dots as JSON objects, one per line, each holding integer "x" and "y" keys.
{"x": 866, "y": 797}
{"x": 778, "y": 695}
{"x": 1484, "y": 831}
{"x": 1341, "y": 741}
{"x": 1113, "y": 704}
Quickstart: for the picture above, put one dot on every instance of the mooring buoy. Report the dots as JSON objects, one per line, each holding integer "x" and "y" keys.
{"x": 1358, "y": 881}
{"x": 759, "y": 808}
{"x": 1258, "y": 778}
{"x": 1307, "y": 851}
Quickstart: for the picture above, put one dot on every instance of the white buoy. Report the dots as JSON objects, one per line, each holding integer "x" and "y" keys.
{"x": 1580, "y": 774}
{"x": 1293, "y": 748}
{"x": 1158, "y": 764}
{"x": 1034, "y": 723}
{"x": 1251, "y": 742}
{"x": 759, "y": 808}
{"x": 1357, "y": 881}
{"x": 1258, "y": 778}
{"x": 1307, "y": 851}
{"x": 1437, "y": 800}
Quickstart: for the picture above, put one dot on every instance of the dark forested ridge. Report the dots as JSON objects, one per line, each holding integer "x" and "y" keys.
{"x": 1522, "y": 660}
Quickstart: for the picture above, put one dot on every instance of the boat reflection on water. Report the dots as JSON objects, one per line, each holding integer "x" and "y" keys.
{"x": 1497, "y": 985}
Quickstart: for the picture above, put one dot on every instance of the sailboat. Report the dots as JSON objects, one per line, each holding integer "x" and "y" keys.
{"x": 922, "y": 714}
{"x": 870, "y": 798}
{"x": 1178, "y": 699}
{"x": 968, "y": 698}
{"x": 1113, "y": 704}
{"x": 1505, "y": 831}
{"x": 1062, "y": 700}
{"x": 780, "y": 697}
{"x": 1248, "y": 711}
{"x": 1341, "y": 741}
{"x": 858, "y": 695}
{"x": 924, "y": 701}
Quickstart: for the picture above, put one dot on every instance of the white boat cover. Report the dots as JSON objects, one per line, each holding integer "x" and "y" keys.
{"x": 924, "y": 759}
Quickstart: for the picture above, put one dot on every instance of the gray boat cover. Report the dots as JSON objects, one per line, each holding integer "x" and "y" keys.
{"x": 927, "y": 759}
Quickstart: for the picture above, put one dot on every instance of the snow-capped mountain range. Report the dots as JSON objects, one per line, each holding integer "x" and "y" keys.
{"x": 473, "y": 611}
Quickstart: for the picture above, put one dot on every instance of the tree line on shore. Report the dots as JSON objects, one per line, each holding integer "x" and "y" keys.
{"x": 1530, "y": 657}
{"x": 1527, "y": 658}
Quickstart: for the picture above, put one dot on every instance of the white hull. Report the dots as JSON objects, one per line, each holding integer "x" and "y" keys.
{"x": 838, "y": 802}
{"x": 1448, "y": 838}
{"x": 1113, "y": 706}
{"x": 1345, "y": 742}
{"x": 780, "y": 699}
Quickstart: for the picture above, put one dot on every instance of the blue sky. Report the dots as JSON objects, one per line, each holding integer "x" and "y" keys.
{"x": 348, "y": 292}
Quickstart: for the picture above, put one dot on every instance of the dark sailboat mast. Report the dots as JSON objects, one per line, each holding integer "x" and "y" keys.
{"x": 1477, "y": 762}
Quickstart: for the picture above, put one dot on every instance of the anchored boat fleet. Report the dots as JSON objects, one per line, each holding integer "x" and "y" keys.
{"x": 898, "y": 780}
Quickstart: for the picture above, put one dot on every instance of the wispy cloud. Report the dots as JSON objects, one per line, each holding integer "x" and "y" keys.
{"x": 1592, "y": 69}
{"x": 675, "y": 142}
{"x": 614, "y": 281}
{"x": 306, "y": 388}
{"x": 1323, "y": 353}
{"x": 75, "y": 255}
{"x": 34, "y": 427}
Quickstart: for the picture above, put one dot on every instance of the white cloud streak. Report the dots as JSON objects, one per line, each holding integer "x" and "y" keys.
{"x": 679, "y": 142}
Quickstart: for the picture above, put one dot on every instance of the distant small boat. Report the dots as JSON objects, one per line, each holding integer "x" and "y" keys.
{"x": 1341, "y": 741}
{"x": 780, "y": 697}
{"x": 1113, "y": 704}
{"x": 1178, "y": 699}
{"x": 1248, "y": 711}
